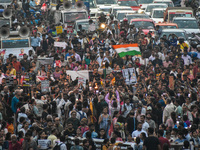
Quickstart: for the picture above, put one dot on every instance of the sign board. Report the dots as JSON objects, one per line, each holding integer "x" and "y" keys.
{"x": 9, "y": 81}
{"x": 59, "y": 29}
{"x": 133, "y": 78}
{"x": 45, "y": 86}
{"x": 60, "y": 44}
{"x": 69, "y": 29}
{"x": 130, "y": 76}
{"x": 44, "y": 144}
{"x": 26, "y": 81}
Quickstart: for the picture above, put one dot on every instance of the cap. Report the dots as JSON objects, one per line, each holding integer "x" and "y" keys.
{"x": 149, "y": 108}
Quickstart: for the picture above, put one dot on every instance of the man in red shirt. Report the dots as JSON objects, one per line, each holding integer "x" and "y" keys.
{"x": 161, "y": 139}
{"x": 16, "y": 64}
{"x": 14, "y": 144}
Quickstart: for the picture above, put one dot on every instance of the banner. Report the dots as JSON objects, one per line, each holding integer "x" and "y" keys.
{"x": 130, "y": 76}
{"x": 59, "y": 29}
{"x": 15, "y": 51}
{"x": 60, "y": 44}
{"x": 45, "y": 86}
{"x": 83, "y": 74}
{"x": 46, "y": 61}
{"x": 44, "y": 144}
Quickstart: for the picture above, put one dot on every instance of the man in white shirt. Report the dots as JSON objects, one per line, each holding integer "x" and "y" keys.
{"x": 187, "y": 59}
{"x": 139, "y": 130}
{"x": 169, "y": 108}
{"x": 145, "y": 125}
{"x": 60, "y": 103}
{"x": 102, "y": 58}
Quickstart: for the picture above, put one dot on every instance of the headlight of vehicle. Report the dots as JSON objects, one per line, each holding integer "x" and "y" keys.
{"x": 140, "y": 11}
{"x": 102, "y": 26}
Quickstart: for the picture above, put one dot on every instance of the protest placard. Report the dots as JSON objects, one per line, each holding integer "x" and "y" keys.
{"x": 9, "y": 81}
{"x": 44, "y": 144}
{"x": 60, "y": 44}
{"x": 45, "y": 86}
{"x": 130, "y": 76}
{"x": 82, "y": 80}
{"x": 59, "y": 29}
{"x": 46, "y": 61}
{"x": 133, "y": 78}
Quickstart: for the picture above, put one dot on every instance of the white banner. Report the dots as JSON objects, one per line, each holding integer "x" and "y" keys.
{"x": 81, "y": 74}
{"x": 16, "y": 52}
{"x": 60, "y": 44}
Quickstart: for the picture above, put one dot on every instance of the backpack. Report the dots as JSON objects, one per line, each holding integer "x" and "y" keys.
{"x": 81, "y": 115}
{"x": 57, "y": 146}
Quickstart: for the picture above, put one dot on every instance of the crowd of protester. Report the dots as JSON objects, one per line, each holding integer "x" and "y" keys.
{"x": 161, "y": 108}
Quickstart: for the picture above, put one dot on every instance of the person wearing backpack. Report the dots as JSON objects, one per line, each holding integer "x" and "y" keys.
{"x": 60, "y": 145}
{"x": 76, "y": 146}
{"x": 80, "y": 114}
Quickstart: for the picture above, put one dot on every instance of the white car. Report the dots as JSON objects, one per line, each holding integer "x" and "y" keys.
{"x": 168, "y": 2}
{"x": 177, "y": 32}
{"x": 93, "y": 10}
{"x": 143, "y": 3}
{"x": 189, "y": 24}
{"x": 105, "y": 9}
{"x": 152, "y": 6}
{"x": 157, "y": 14}
{"x": 85, "y": 24}
{"x": 106, "y": 3}
{"x": 119, "y": 8}
{"x": 120, "y": 15}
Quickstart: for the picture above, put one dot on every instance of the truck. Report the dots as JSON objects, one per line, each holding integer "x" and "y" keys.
{"x": 68, "y": 14}
{"x": 15, "y": 42}
{"x": 5, "y": 3}
{"x": 172, "y": 12}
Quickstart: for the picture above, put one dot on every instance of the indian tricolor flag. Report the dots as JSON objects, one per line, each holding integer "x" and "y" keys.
{"x": 127, "y": 49}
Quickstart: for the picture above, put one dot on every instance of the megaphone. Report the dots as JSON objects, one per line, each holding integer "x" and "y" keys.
{"x": 79, "y": 5}
{"x": 67, "y": 5}
{"x": 4, "y": 32}
{"x": 7, "y": 13}
{"x": 24, "y": 31}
